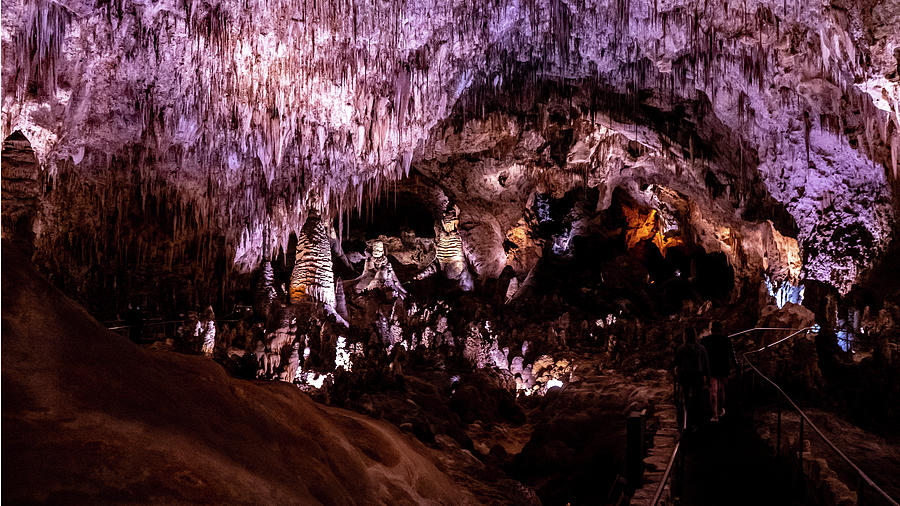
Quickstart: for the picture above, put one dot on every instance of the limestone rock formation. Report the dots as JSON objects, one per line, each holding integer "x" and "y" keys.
{"x": 21, "y": 189}
{"x": 378, "y": 274}
{"x": 128, "y": 425}
{"x": 313, "y": 276}
{"x": 757, "y": 111}
{"x": 206, "y": 330}
{"x": 450, "y": 256}
{"x": 266, "y": 291}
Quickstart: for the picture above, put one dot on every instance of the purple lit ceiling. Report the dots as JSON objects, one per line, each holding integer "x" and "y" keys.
{"x": 247, "y": 113}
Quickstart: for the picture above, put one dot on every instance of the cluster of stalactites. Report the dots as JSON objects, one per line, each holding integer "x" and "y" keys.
{"x": 335, "y": 88}
{"x": 40, "y": 41}
{"x": 338, "y": 95}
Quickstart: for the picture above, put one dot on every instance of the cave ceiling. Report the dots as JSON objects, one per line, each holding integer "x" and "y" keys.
{"x": 243, "y": 115}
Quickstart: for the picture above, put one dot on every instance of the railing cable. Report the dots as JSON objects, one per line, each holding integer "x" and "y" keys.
{"x": 865, "y": 477}
{"x": 668, "y": 472}
{"x": 157, "y": 323}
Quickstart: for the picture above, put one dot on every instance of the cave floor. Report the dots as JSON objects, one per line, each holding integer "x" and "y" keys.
{"x": 876, "y": 455}
{"x": 726, "y": 464}
{"x": 571, "y": 449}
{"x": 90, "y": 418}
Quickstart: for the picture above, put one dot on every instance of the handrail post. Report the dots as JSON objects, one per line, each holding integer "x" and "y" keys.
{"x": 778, "y": 439}
{"x": 675, "y": 400}
{"x": 634, "y": 448}
{"x": 859, "y": 491}
{"x": 752, "y": 397}
{"x": 800, "y": 445}
{"x": 680, "y": 478}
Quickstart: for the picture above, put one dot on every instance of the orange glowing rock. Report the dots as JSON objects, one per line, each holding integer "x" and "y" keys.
{"x": 643, "y": 225}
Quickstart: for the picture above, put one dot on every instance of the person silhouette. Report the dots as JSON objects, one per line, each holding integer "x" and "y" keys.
{"x": 692, "y": 374}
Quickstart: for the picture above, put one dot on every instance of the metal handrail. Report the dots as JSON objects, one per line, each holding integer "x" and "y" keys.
{"x": 665, "y": 478}
{"x": 761, "y": 328}
{"x": 806, "y": 418}
{"x": 155, "y": 323}
{"x": 145, "y": 324}
{"x": 804, "y": 329}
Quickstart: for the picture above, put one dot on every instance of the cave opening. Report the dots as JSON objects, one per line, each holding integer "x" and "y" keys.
{"x": 395, "y": 214}
{"x": 611, "y": 266}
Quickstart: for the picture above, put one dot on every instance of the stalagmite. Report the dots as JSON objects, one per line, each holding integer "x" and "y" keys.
{"x": 450, "y": 257}
{"x": 206, "y": 330}
{"x": 312, "y": 277}
{"x": 293, "y": 365}
{"x": 259, "y": 353}
{"x": 266, "y": 292}
{"x": 340, "y": 299}
{"x": 378, "y": 274}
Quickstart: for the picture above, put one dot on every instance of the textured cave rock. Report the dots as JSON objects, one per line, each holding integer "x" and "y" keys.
{"x": 241, "y": 119}
{"x": 90, "y": 417}
{"x": 21, "y": 190}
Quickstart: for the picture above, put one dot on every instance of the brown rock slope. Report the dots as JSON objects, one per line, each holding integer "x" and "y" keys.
{"x": 90, "y": 417}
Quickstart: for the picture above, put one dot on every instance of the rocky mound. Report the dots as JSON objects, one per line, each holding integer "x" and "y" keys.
{"x": 90, "y": 417}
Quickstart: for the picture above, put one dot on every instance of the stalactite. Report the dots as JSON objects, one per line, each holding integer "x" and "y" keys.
{"x": 39, "y": 44}
{"x": 338, "y": 97}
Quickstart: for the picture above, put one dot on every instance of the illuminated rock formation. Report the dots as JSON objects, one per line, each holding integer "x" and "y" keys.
{"x": 450, "y": 258}
{"x": 378, "y": 274}
{"x": 293, "y": 365}
{"x": 312, "y": 277}
{"x": 206, "y": 331}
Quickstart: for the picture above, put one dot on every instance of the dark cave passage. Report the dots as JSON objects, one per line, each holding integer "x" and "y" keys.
{"x": 394, "y": 213}
{"x": 727, "y": 462}
{"x": 610, "y": 268}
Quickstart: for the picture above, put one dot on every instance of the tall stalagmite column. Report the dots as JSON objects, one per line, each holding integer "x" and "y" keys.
{"x": 21, "y": 190}
{"x": 313, "y": 276}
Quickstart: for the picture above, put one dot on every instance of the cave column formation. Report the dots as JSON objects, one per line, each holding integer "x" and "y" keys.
{"x": 312, "y": 277}
{"x": 449, "y": 252}
{"x": 21, "y": 190}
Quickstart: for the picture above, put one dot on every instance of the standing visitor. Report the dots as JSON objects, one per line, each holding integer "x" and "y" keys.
{"x": 721, "y": 359}
{"x": 692, "y": 374}
{"x": 134, "y": 319}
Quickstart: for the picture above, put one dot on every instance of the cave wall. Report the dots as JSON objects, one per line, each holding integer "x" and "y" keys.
{"x": 122, "y": 239}
{"x": 508, "y": 169}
